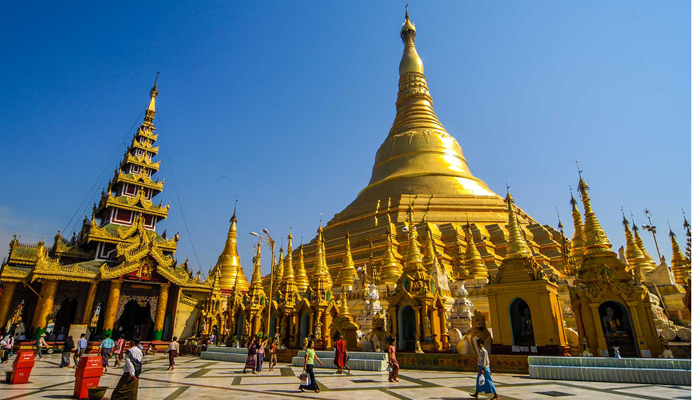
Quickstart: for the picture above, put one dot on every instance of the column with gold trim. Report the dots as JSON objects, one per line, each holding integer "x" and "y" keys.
{"x": 89, "y": 302}
{"x": 8, "y": 292}
{"x": 44, "y": 306}
{"x": 112, "y": 304}
{"x": 160, "y": 311}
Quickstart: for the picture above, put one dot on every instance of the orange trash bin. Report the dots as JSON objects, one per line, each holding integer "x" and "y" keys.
{"x": 22, "y": 366}
{"x": 87, "y": 375}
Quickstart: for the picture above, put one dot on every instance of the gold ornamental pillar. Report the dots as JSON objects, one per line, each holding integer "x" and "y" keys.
{"x": 602, "y": 343}
{"x": 160, "y": 311}
{"x": 419, "y": 323}
{"x": 89, "y": 302}
{"x": 44, "y": 306}
{"x": 8, "y": 292}
{"x": 112, "y": 303}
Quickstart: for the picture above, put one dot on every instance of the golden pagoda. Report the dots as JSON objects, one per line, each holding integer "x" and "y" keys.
{"x": 526, "y": 312}
{"x": 421, "y": 165}
{"x": 229, "y": 262}
{"x": 611, "y": 307}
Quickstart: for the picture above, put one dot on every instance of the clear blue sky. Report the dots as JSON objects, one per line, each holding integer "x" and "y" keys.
{"x": 286, "y": 103}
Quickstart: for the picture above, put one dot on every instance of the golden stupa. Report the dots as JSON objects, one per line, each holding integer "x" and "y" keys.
{"x": 421, "y": 163}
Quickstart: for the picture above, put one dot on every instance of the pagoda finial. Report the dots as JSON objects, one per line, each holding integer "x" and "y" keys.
{"x": 595, "y": 236}
{"x": 347, "y": 273}
{"x": 410, "y": 62}
{"x": 151, "y": 110}
{"x": 635, "y": 257}
{"x": 679, "y": 263}
{"x": 302, "y": 280}
{"x": 233, "y": 217}
{"x": 517, "y": 247}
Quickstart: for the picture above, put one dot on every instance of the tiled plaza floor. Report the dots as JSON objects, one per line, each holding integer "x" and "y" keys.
{"x": 203, "y": 379}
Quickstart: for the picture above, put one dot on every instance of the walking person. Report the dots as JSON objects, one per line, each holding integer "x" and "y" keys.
{"x": 68, "y": 348}
{"x": 393, "y": 362}
{"x": 309, "y": 368}
{"x": 119, "y": 346}
{"x": 173, "y": 351}
{"x": 106, "y": 347}
{"x": 80, "y": 349}
{"x": 252, "y": 360}
{"x": 128, "y": 386}
{"x": 341, "y": 353}
{"x": 484, "y": 382}
{"x": 40, "y": 344}
{"x": 261, "y": 355}
{"x": 273, "y": 353}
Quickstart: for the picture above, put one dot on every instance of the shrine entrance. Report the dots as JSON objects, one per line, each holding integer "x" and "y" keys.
{"x": 65, "y": 315}
{"x": 135, "y": 321}
{"x": 617, "y": 328}
{"x": 521, "y": 323}
{"x": 407, "y": 328}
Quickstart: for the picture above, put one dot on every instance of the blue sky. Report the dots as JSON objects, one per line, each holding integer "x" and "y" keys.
{"x": 286, "y": 103}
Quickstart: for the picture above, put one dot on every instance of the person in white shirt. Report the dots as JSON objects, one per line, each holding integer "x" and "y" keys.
{"x": 484, "y": 381}
{"x": 173, "y": 351}
{"x": 128, "y": 386}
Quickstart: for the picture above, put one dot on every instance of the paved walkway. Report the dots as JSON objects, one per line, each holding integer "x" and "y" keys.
{"x": 203, "y": 379}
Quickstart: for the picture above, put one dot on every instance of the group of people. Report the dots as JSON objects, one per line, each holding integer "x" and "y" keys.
{"x": 484, "y": 381}
{"x": 256, "y": 354}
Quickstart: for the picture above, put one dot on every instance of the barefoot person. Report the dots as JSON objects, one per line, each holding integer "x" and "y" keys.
{"x": 484, "y": 382}
{"x": 80, "y": 349}
{"x": 119, "y": 346}
{"x": 128, "y": 386}
{"x": 106, "y": 347}
{"x": 341, "y": 354}
{"x": 173, "y": 351}
{"x": 273, "y": 354}
{"x": 252, "y": 360}
{"x": 309, "y": 368}
{"x": 393, "y": 362}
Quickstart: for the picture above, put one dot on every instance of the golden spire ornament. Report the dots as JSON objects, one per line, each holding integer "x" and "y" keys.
{"x": 302, "y": 280}
{"x": 517, "y": 247}
{"x": 347, "y": 273}
{"x": 595, "y": 236}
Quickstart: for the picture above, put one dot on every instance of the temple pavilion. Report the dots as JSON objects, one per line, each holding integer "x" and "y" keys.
{"x": 118, "y": 274}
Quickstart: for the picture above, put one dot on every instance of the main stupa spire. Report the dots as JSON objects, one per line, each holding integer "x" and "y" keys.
{"x": 418, "y": 153}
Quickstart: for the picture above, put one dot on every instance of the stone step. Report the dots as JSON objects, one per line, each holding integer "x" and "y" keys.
{"x": 606, "y": 369}
{"x": 225, "y": 354}
{"x": 355, "y": 364}
{"x": 357, "y": 355}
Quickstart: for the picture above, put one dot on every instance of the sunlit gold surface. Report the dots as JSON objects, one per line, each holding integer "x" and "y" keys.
{"x": 230, "y": 262}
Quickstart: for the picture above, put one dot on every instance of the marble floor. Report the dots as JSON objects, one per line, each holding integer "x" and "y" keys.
{"x": 203, "y": 379}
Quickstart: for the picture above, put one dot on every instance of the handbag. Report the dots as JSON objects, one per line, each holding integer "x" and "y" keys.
{"x": 303, "y": 376}
{"x": 481, "y": 380}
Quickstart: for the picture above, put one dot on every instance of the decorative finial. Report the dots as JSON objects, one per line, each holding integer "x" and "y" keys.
{"x": 624, "y": 218}
{"x": 406, "y": 10}
{"x": 560, "y": 226}
{"x": 670, "y": 231}
{"x": 634, "y": 226}
{"x": 573, "y": 200}
{"x": 154, "y": 90}
{"x": 235, "y": 205}
{"x": 578, "y": 169}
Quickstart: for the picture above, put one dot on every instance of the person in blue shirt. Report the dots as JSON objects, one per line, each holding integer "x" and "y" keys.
{"x": 80, "y": 349}
{"x": 106, "y": 350}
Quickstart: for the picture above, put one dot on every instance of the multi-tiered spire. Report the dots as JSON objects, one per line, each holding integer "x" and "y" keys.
{"x": 679, "y": 264}
{"x": 472, "y": 258}
{"x": 578, "y": 242}
{"x": 302, "y": 280}
{"x": 255, "y": 291}
{"x": 390, "y": 270}
{"x": 229, "y": 262}
{"x": 596, "y": 238}
{"x": 128, "y": 200}
{"x": 319, "y": 278}
{"x": 633, "y": 254}
{"x": 347, "y": 273}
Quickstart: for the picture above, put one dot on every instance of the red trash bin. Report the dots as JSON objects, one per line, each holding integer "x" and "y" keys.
{"x": 87, "y": 375}
{"x": 22, "y": 366}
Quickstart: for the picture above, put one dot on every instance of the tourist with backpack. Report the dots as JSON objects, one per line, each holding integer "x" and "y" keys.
{"x": 128, "y": 386}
